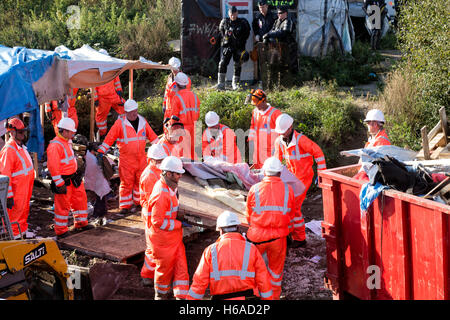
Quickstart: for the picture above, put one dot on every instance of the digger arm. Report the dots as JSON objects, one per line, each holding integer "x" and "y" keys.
{"x": 19, "y": 254}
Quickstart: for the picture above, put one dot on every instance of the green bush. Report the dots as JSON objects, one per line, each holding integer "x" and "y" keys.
{"x": 419, "y": 86}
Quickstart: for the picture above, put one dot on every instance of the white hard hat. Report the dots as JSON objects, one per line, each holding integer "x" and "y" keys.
{"x": 211, "y": 119}
{"x": 283, "y": 123}
{"x": 182, "y": 79}
{"x": 227, "y": 219}
{"x": 157, "y": 152}
{"x": 130, "y": 105}
{"x": 272, "y": 165}
{"x": 68, "y": 124}
{"x": 375, "y": 115}
{"x": 175, "y": 63}
{"x": 172, "y": 164}
{"x": 103, "y": 51}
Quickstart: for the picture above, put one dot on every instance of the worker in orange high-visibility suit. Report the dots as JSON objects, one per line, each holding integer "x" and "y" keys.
{"x": 166, "y": 233}
{"x": 232, "y": 267}
{"x": 262, "y": 133}
{"x": 186, "y": 106}
{"x": 107, "y": 96}
{"x": 131, "y": 133}
{"x": 173, "y": 140}
{"x": 149, "y": 177}
{"x": 171, "y": 85}
{"x": 270, "y": 209}
{"x": 299, "y": 152}
{"x": 219, "y": 141}
{"x": 55, "y": 114}
{"x": 16, "y": 163}
{"x": 377, "y": 136}
{"x": 67, "y": 186}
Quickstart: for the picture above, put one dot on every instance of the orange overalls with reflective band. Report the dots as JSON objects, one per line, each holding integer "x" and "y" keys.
{"x": 57, "y": 114}
{"x": 166, "y": 242}
{"x": 170, "y": 86}
{"x": 186, "y": 106}
{"x": 223, "y": 147}
{"x": 61, "y": 161}
{"x": 270, "y": 209}
{"x": 149, "y": 177}
{"x": 107, "y": 97}
{"x": 16, "y": 163}
{"x": 380, "y": 139}
{"x": 132, "y": 159}
{"x": 175, "y": 149}
{"x": 230, "y": 265}
{"x": 262, "y": 133}
{"x": 300, "y": 155}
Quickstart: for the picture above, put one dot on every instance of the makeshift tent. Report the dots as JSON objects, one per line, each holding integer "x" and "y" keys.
{"x": 31, "y": 77}
{"x": 323, "y": 26}
{"x": 357, "y": 12}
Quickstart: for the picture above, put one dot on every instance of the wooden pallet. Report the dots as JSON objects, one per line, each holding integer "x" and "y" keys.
{"x": 436, "y": 143}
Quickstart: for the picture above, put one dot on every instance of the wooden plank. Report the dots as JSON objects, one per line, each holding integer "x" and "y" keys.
{"x": 92, "y": 117}
{"x": 194, "y": 200}
{"x": 436, "y": 153}
{"x": 434, "y": 131}
{"x": 444, "y": 124}
{"x": 437, "y": 141}
{"x": 426, "y": 150}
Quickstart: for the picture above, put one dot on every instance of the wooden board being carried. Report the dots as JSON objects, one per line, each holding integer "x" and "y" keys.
{"x": 123, "y": 240}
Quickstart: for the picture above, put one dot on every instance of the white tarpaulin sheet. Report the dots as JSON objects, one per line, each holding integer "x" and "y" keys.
{"x": 323, "y": 25}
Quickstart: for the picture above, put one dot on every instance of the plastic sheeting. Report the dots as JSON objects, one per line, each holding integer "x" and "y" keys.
{"x": 324, "y": 25}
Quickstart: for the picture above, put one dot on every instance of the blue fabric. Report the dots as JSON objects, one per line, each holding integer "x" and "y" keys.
{"x": 19, "y": 69}
{"x": 369, "y": 193}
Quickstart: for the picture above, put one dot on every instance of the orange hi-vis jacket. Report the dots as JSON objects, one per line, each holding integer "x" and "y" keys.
{"x": 60, "y": 159}
{"x": 185, "y": 105}
{"x": 270, "y": 209}
{"x": 231, "y": 265}
{"x": 170, "y": 86}
{"x": 108, "y": 89}
{"x": 262, "y": 133}
{"x": 223, "y": 147}
{"x": 57, "y": 114}
{"x": 300, "y": 155}
{"x": 16, "y": 163}
{"x": 166, "y": 241}
{"x": 149, "y": 177}
{"x": 175, "y": 149}
{"x": 131, "y": 144}
{"x": 381, "y": 139}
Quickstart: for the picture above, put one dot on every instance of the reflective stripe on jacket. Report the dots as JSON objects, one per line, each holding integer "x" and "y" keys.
{"x": 300, "y": 155}
{"x": 165, "y": 229}
{"x": 131, "y": 144}
{"x": 108, "y": 89}
{"x": 16, "y": 163}
{"x": 229, "y": 265}
{"x": 223, "y": 147}
{"x": 270, "y": 208}
{"x": 185, "y": 105}
{"x": 380, "y": 139}
{"x": 149, "y": 177}
{"x": 61, "y": 159}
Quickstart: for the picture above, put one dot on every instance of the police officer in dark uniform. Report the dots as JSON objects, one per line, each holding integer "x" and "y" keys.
{"x": 262, "y": 24}
{"x": 283, "y": 35}
{"x": 235, "y": 32}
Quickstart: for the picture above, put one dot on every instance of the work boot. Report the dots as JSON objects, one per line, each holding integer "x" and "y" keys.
{"x": 64, "y": 235}
{"x": 162, "y": 296}
{"x": 86, "y": 227}
{"x": 123, "y": 212}
{"x": 298, "y": 244}
{"x": 235, "y": 83}
{"x": 147, "y": 282}
{"x": 221, "y": 81}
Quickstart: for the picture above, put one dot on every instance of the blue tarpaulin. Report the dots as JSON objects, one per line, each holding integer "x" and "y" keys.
{"x": 19, "y": 69}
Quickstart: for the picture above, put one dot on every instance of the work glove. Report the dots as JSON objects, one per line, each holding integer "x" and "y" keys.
{"x": 61, "y": 190}
{"x": 10, "y": 203}
{"x": 96, "y": 103}
{"x": 119, "y": 93}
